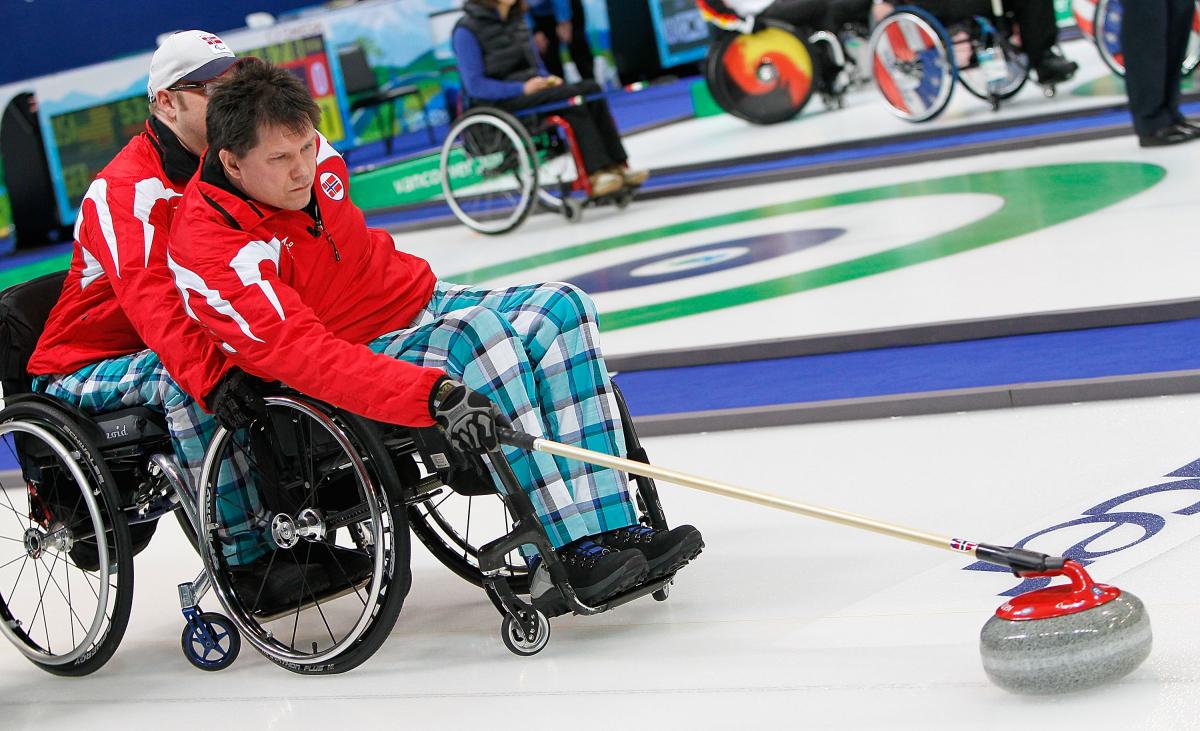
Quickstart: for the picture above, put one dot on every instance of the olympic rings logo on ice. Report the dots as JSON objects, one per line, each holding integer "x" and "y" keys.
{"x": 1111, "y": 516}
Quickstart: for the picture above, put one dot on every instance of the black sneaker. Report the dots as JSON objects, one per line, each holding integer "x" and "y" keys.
{"x": 1055, "y": 69}
{"x": 666, "y": 551}
{"x": 598, "y": 573}
{"x": 288, "y": 583}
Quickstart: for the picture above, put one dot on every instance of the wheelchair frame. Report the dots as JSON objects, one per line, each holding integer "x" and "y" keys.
{"x": 916, "y": 69}
{"x": 568, "y": 197}
{"x": 733, "y": 30}
{"x": 212, "y": 641}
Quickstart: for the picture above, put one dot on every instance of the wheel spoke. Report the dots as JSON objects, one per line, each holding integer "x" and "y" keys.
{"x": 18, "y": 581}
{"x": 262, "y": 585}
{"x": 345, "y": 575}
{"x": 23, "y": 520}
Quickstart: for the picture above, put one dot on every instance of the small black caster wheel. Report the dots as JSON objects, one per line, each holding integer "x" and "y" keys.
{"x": 662, "y": 594}
{"x": 516, "y": 641}
{"x": 623, "y": 199}
{"x": 212, "y": 644}
{"x": 572, "y": 210}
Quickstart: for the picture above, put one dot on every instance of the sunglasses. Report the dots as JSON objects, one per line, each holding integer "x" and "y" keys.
{"x": 204, "y": 87}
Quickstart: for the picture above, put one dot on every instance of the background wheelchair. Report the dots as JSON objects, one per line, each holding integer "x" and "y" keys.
{"x": 497, "y": 166}
{"x": 765, "y": 72}
{"x": 81, "y": 495}
{"x": 1100, "y": 21}
{"x": 917, "y": 61}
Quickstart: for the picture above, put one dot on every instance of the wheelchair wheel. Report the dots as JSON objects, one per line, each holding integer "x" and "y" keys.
{"x": 1107, "y": 27}
{"x": 321, "y": 518}
{"x": 66, "y": 557}
{"x": 764, "y": 77}
{"x": 974, "y": 77}
{"x": 913, "y": 67}
{"x": 454, "y": 527}
{"x": 489, "y": 171}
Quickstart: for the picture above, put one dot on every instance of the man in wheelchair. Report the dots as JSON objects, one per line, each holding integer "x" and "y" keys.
{"x": 277, "y": 265}
{"x": 499, "y": 64}
{"x": 117, "y": 336}
{"x": 1036, "y": 24}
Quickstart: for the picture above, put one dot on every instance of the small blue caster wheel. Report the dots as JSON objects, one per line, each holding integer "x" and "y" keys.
{"x": 211, "y": 642}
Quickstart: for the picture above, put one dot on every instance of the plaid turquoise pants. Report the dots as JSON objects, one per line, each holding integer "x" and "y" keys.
{"x": 534, "y": 350}
{"x": 140, "y": 379}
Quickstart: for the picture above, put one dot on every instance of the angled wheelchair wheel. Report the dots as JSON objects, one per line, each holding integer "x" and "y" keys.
{"x": 489, "y": 171}
{"x": 1107, "y": 28}
{"x": 989, "y": 47}
{"x": 764, "y": 77}
{"x": 66, "y": 557}
{"x": 912, "y": 63}
{"x": 1108, "y": 34}
{"x": 454, "y": 526}
{"x": 305, "y": 539}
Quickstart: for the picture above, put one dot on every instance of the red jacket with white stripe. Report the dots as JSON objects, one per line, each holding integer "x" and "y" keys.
{"x": 294, "y": 296}
{"x": 119, "y": 297}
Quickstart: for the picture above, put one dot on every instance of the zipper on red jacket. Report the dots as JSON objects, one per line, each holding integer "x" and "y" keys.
{"x": 320, "y": 230}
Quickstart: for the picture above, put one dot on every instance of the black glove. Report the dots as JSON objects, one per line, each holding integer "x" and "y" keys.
{"x": 469, "y": 419}
{"x": 236, "y": 400}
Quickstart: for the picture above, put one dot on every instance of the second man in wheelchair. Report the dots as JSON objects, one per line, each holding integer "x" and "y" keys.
{"x": 499, "y": 65}
{"x": 277, "y": 264}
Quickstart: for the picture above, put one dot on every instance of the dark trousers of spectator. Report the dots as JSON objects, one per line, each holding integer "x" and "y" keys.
{"x": 579, "y": 48}
{"x": 1154, "y": 38}
{"x": 595, "y": 131}
{"x": 1035, "y": 19}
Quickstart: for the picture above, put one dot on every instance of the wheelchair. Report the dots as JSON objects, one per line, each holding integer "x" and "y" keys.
{"x": 337, "y": 494}
{"x": 1100, "y": 22}
{"x": 918, "y": 59}
{"x": 497, "y": 166}
{"x": 766, "y": 71}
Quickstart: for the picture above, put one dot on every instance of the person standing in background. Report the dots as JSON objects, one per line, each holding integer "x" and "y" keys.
{"x": 1154, "y": 39}
{"x": 557, "y": 22}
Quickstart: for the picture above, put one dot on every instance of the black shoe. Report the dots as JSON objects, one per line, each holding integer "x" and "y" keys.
{"x": 1172, "y": 134}
{"x": 1055, "y": 69}
{"x": 287, "y": 584}
{"x": 598, "y": 573}
{"x": 666, "y": 551}
{"x": 1188, "y": 124}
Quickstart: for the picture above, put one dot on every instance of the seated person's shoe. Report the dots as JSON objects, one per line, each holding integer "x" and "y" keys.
{"x": 345, "y": 567}
{"x": 268, "y": 587}
{"x": 1172, "y": 134}
{"x": 598, "y": 573}
{"x": 605, "y": 183}
{"x": 633, "y": 178}
{"x": 1055, "y": 69}
{"x": 666, "y": 551}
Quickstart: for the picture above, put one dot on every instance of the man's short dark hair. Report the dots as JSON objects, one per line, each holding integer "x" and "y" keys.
{"x": 253, "y": 94}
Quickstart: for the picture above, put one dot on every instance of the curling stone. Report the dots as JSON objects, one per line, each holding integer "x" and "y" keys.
{"x": 1065, "y": 638}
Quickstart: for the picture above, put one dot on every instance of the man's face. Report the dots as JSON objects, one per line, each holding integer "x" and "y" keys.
{"x": 279, "y": 170}
{"x": 190, "y": 108}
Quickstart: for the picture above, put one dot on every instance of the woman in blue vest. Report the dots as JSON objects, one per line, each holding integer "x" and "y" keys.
{"x": 499, "y": 65}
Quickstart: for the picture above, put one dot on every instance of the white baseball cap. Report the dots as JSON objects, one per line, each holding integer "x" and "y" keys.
{"x": 188, "y": 56}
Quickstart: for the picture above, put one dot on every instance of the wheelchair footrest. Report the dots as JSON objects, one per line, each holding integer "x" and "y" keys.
{"x": 625, "y": 597}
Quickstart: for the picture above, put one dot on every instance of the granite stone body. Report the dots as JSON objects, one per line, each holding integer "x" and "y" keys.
{"x": 1067, "y": 653}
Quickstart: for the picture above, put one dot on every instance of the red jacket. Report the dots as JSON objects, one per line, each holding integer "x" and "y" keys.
{"x": 119, "y": 297}
{"x": 295, "y": 295}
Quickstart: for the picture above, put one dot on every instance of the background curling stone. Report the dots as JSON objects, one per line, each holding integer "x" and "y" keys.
{"x": 1065, "y": 638}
